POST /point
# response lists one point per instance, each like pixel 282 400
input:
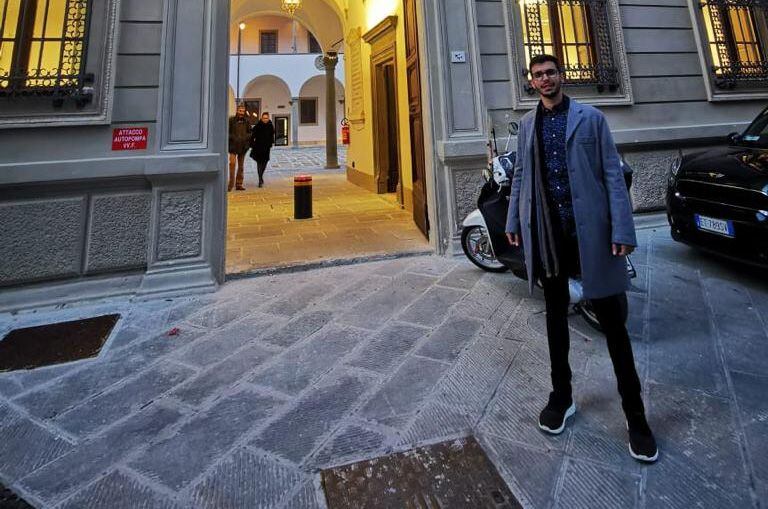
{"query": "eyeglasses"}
pixel 549 73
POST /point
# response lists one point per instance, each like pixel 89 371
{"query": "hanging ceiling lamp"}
pixel 290 6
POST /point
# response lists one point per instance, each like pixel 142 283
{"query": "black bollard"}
pixel 302 197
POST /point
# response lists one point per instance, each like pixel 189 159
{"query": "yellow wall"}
pixel 366 16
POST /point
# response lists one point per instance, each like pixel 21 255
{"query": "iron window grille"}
pixel 268 41
pixel 308 111
pixel 314 46
pixel 43 49
pixel 577 33
pixel 736 30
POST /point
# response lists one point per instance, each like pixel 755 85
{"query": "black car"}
pixel 717 199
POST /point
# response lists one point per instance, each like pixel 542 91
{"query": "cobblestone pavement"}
pixel 275 377
pixel 347 221
pixel 287 158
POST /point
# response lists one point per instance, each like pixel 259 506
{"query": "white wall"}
pixel 315 87
pixel 273 92
pixel 294 70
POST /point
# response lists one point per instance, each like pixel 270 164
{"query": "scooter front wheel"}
pixel 477 247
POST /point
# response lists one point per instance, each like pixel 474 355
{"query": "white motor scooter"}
pixel 483 236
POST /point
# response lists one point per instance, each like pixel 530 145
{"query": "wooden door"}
pixel 393 155
pixel 416 124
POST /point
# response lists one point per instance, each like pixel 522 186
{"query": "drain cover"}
pixel 9 500
pixel 44 345
pixel 448 475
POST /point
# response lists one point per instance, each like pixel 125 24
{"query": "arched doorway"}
pixel 317 70
pixel 312 110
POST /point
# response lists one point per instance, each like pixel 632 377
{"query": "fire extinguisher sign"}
pixel 130 138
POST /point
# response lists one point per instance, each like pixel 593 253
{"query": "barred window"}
pixel 576 32
pixel 308 111
pixel 735 33
pixel 43 44
pixel 268 41
pixel 314 46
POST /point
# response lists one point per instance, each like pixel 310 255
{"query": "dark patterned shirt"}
pixel 552 127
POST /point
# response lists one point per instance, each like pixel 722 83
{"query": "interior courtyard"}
pixel 317 70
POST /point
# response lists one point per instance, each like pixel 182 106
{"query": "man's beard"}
pixel 553 93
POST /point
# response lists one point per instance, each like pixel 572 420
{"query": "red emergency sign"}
pixel 130 138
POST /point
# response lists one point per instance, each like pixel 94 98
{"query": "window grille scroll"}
pixel 45 43
pixel 737 52
pixel 578 33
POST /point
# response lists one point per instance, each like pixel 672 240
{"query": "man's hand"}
pixel 514 239
pixel 621 249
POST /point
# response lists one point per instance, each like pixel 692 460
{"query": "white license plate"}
pixel 719 226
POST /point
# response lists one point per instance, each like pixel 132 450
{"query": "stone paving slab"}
pixel 244 481
pixel 298 368
pixel 273 377
pixel 113 405
pixel 180 459
pixel 81 465
pixel 25 445
pixel 295 435
pixel 582 481
pixel 119 491
pixel 220 377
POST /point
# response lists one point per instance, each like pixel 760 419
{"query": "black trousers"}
pixel 261 166
pixel 609 314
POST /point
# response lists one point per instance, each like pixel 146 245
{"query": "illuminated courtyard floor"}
pixel 347 222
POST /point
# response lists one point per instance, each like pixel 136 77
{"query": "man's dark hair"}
pixel 543 58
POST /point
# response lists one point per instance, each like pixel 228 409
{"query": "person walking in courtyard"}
pixel 239 138
pixel 262 139
pixel 570 210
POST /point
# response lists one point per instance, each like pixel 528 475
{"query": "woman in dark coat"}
pixel 262 139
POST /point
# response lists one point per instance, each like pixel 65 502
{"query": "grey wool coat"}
pixel 601 205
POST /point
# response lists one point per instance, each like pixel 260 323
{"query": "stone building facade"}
pixel 113 168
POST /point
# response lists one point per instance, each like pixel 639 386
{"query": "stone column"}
pixel 295 121
pixel 331 151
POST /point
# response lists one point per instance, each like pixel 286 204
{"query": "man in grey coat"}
pixel 570 210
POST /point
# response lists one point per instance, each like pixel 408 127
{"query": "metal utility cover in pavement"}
pixel 9 500
pixel 55 343
pixel 449 475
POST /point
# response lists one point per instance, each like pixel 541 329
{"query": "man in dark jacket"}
pixel 262 139
pixel 570 210
pixel 239 138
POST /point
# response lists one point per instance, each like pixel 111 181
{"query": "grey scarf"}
pixel 545 234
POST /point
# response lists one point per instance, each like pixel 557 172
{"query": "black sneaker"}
pixel 552 418
pixel 642 444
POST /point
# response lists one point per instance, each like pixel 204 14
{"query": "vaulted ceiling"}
pixel 324 18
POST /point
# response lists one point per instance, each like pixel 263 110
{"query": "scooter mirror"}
pixel 514 127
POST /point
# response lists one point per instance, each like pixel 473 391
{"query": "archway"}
pixel 309 72
pixel 312 92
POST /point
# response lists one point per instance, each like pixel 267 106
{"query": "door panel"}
pixel 393 163
pixel 416 125
pixel 281 131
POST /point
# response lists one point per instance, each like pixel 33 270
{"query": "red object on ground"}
pixel 130 138
pixel 174 332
